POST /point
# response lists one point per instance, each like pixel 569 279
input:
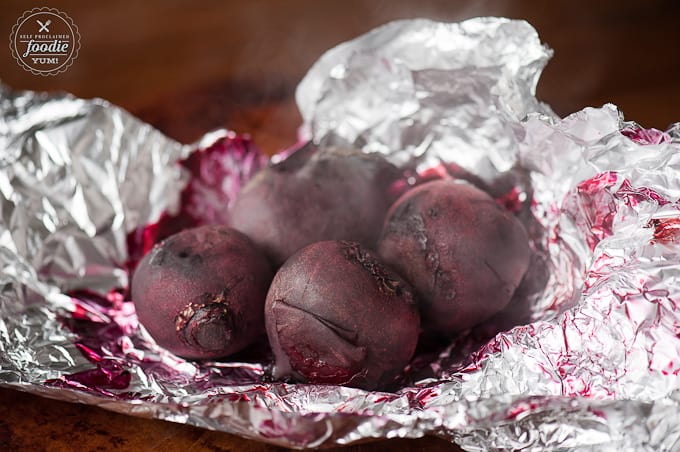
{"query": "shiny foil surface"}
pixel 589 353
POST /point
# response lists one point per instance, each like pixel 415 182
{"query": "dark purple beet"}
pixel 200 293
pixel 463 253
pixel 336 315
pixel 315 195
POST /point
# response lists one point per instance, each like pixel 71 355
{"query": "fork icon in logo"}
pixel 43 26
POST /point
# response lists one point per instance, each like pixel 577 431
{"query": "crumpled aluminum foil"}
pixel 590 354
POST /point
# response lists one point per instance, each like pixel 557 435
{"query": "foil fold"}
pixel 418 90
pixel 588 357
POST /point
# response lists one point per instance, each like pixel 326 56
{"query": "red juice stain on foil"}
pixel 107 375
pixel 599 199
pixel 234 398
pixel 633 196
pixel 97 380
pixel 216 174
pixel 666 230
pixel 644 136
pixel 99 321
pixel 419 399
pixel 383 398
pixel 93 307
pixel 522 409
pixel 108 336
pixel 597 206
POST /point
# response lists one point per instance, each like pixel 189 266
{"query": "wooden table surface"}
pixel 235 64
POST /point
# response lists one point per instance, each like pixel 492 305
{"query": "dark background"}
pixel 189 69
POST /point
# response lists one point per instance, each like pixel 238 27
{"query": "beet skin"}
pixel 335 315
pixel 463 253
pixel 200 293
pixel 315 195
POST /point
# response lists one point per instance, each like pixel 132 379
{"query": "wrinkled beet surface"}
pixel 463 253
pixel 315 195
pixel 200 293
pixel 336 315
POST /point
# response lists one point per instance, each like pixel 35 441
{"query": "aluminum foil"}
pixel 589 356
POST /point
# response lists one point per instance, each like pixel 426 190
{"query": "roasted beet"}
pixel 200 293
pixel 315 195
pixel 336 315
pixel 463 253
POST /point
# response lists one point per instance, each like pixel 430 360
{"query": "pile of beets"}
pixel 344 278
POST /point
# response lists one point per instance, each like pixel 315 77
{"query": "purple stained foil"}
pixel 589 353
